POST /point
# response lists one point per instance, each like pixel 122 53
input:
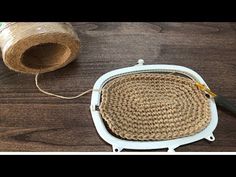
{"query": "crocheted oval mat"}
pixel 154 106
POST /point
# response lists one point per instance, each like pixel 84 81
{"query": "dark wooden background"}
pixel 32 121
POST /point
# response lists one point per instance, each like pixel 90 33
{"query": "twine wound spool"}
pixel 38 47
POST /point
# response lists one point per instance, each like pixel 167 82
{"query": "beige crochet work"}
pixel 154 106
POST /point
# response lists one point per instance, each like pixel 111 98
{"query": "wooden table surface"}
pixel 32 121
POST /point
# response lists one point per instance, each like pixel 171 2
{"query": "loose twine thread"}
pixel 69 97
pixel 60 96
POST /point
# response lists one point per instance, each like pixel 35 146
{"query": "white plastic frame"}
pixel 119 144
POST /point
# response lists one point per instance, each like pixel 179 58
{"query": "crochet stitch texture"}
pixel 154 106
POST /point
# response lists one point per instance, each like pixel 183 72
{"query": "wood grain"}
pixel 32 121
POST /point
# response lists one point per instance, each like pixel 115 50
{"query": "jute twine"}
pixel 38 47
pixel 154 106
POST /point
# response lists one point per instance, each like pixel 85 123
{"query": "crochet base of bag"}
pixel 154 106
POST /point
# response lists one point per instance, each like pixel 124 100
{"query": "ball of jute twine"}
pixel 38 47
